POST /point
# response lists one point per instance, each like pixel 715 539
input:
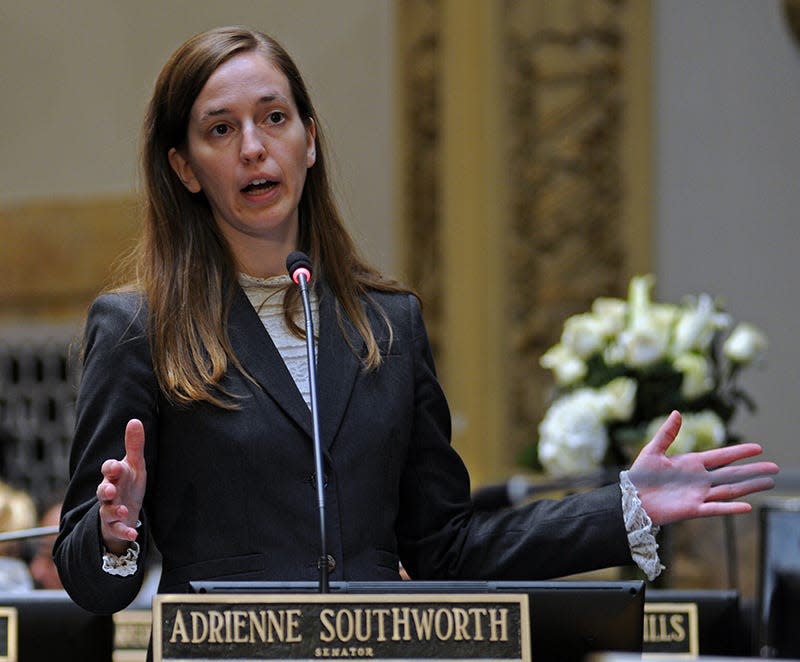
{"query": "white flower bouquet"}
pixel 621 368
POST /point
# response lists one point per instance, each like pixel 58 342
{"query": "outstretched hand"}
pixel 121 491
pixel 700 484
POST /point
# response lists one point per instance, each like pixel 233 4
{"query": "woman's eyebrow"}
pixel 266 99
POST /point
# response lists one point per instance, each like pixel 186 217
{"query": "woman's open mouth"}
pixel 258 186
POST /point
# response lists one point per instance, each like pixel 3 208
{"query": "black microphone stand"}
pixel 297 262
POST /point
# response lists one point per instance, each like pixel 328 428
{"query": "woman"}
pixel 196 378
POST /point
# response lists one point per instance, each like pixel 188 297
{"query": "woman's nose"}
pixel 254 146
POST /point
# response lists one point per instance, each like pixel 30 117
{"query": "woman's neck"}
pixel 263 260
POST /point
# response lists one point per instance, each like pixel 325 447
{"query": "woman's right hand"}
pixel 121 491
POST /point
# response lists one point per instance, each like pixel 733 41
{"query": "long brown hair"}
pixel 182 253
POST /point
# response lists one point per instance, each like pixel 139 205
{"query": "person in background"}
pixel 193 423
pixel 42 567
pixel 17 512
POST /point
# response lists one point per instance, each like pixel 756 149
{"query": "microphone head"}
pixel 298 264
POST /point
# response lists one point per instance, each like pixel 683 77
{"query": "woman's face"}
pixel 248 150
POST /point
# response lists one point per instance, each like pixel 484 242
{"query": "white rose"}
pixel 646 338
pixel 697 325
pixel 584 334
pixel 697 375
pixel 639 295
pixel 613 314
pixel 707 428
pixel 572 436
pixel 566 365
pixel 618 399
pixel 646 342
pixel 615 353
pixel 744 344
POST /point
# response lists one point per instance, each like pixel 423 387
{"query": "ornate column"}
pixel 526 191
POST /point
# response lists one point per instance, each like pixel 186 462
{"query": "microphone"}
pixel 519 488
pixel 299 267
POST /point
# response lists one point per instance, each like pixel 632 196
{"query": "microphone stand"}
pixel 300 273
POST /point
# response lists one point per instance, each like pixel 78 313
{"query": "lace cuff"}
pixel 641 530
pixel 125 565
pixel 122 566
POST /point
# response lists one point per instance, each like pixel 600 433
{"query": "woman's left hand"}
pixel 700 484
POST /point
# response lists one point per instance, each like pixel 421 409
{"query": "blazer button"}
pixel 312 479
pixel 331 563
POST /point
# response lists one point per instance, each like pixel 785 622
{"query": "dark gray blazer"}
pixel 230 494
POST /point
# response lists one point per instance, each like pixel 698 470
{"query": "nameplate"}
pixel 323 626
pixel 8 634
pixel 670 631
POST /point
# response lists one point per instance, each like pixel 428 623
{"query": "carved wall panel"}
pixel 56 256
pixel 566 107
pixel 419 53
pixel 564 111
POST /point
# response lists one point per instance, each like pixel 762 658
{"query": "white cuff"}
pixel 122 566
pixel 641 530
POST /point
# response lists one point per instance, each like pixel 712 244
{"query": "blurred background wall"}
pixel 704 161
pixel 727 203
pixel 76 77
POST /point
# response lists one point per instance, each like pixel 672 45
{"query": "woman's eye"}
pixel 276 117
pixel 220 130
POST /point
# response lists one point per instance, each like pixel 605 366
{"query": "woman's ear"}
pixel 184 171
pixel 311 142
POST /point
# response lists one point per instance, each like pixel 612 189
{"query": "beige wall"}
pixel 727 96
pixel 75 78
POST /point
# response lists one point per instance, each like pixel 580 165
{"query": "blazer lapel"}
pixel 338 366
pixel 262 361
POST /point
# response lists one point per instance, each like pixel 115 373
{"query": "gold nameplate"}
pixel 321 626
pixel 670 631
pixel 8 634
